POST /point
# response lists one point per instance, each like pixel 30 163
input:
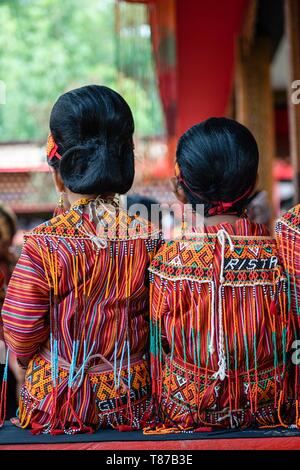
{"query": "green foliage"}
pixel 51 46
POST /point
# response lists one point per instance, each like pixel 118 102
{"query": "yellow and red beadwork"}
pixel 108 406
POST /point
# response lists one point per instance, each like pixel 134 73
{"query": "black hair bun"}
pixel 93 128
pixel 97 168
pixel 218 160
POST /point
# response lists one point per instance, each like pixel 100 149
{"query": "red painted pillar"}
pixel 206 33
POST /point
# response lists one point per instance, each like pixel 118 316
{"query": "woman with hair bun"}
pixel 219 296
pixel 76 307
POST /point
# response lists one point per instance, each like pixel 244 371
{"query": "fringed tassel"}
pixel 155 366
pixel 127 329
pixel 173 334
pixel 247 351
pixel 25 411
pixel 3 396
pixel 70 421
pixel 156 369
pixel 253 310
pixel 116 334
pixel 227 357
pixel 53 285
pixel 198 343
pixel 48 255
pixel 272 312
pixel 235 348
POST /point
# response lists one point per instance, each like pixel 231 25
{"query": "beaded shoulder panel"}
pixel 116 225
pixel 291 218
pixel 252 261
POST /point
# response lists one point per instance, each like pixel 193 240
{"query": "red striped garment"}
pixel 2 295
pixel 77 304
pixel 219 330
pixel 288 241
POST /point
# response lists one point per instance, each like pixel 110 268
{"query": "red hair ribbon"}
pixel 52 148
pixel 219 207
pixel 222 207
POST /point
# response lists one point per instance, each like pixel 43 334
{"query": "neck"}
pixel 219 219
pixel 73 197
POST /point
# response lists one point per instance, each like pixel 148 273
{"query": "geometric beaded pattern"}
pixel 182 387
pixel 117 225
pixel 251 262
pixel 292 218
pixel 109 397
pixel 38 380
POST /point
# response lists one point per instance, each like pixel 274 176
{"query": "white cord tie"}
pixel 222 237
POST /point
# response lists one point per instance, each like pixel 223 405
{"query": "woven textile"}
pixel 79 292
pixel 220 333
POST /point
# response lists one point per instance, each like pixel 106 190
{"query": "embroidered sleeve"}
pixel 26 307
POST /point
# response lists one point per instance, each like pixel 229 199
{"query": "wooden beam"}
pixel 248 28
pixel 292 24
pixel 254 104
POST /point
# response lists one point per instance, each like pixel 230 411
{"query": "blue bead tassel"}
pixel 4 391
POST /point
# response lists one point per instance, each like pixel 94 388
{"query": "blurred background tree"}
pixel 51 46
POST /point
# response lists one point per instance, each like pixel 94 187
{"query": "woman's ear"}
pixel 178 191
pixel 58 181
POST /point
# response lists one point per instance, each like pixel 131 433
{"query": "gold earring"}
pixel 61 201
pixel 60 209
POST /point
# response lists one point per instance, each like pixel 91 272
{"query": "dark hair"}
pixel 93 128
pixel 148 202
pixel 218 161
pixel 9 219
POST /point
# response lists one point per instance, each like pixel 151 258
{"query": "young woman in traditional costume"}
pixel 76 309
pixel 288 241
pixel 219 335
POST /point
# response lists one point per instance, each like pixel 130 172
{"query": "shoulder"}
pixel 37 240
pixel 290 219
pixel 119 225
pixel 194 259
pixel 185 259
pixel 63 224
pixel 112 225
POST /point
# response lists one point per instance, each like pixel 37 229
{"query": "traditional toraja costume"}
pixel 288 240
pixel 78 303
pixel 219 337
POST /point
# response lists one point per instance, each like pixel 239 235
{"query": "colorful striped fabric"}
pixel 78 304
pixel 220 334
pixel 2 295
pixel 288 241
